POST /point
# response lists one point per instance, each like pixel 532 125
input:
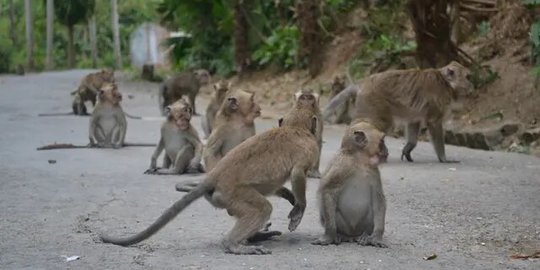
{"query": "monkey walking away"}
pixel 412 96
pixel 351 198
pixel 239 183
pixel 220 91
pixel 180 140
pixel 184 84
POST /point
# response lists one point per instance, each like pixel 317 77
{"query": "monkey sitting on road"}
pixel 220 91
pixel 183 148
pixel 108 123
pixel 88 90
pixel 183 84
pixel 239 183
pixel 352 203
pixel 234 124
pixel 307 99
pixel 413 96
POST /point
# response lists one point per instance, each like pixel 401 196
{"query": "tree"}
pixel 29 34
pixel 116 34
pixel 70 13
pixel 93 39
pixel 12 23
pixel 432 26
pixel 308 12
pixel 241 46
pixel 50 33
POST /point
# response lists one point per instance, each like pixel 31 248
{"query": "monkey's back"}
pixel 266 158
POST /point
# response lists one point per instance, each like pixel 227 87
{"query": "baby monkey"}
pixel 183 148
pixel 352 202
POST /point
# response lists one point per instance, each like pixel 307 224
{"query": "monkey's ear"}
pixel 313 129
pixel 280 122
pixel 448 72
pixel 167 110
pixel 232 103
pixel 360 138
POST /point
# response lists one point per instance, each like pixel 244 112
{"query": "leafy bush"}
pixel 6 49
pixel 279 49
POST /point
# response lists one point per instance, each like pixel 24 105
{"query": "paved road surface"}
pixel 473 215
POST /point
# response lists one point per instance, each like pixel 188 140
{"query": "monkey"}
pixel 233 125
pixel 350 194
pixel 88 90
pixel 412 96
pixel 307 99
pixel 183 148
pixel 239 183
pixel 185 83
pixel 108 123
pixel 220 91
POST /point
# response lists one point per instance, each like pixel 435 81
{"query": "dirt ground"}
pixel 472 215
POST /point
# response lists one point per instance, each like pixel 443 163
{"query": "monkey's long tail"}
pixel 167 216
pixel 339 99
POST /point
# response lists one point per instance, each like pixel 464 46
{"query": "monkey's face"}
pixel 203 76
pixel 221 89
pixel 109 93
pixel 458 77
pixel 366 139
pixel 307 99
pixel 180 113
pixel 243 103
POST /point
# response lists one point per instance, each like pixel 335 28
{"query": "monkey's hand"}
pixel 151 170
pixel 372 240
pixel 295 216
pixel 327 240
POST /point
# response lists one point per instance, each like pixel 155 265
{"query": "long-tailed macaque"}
pixel 89 89
pixel 108 123
pixel 220 91
pixel 180 140
pixel 351 197
pixel 239 183
pixel 184 84
pixel 412 96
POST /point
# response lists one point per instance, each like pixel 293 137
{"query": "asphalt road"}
pixel 472 215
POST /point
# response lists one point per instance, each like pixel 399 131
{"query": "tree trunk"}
pixel 29 34
pixel 241 47
pixel 307 12
pixel 93 40
pixel 431 24
pixel 71 46
pixel 12 23
pixel 50 33
pixel 116 34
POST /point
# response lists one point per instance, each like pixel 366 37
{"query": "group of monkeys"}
pixel 244 168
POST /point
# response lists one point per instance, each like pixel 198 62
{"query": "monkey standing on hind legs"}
pixel 239 183
pixel 412 96
pixel 183 84
pixel 220 91
pixel 351 198
pixel 183 148
pixel 307 99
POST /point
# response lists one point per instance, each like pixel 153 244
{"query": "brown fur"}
pixel 342 113
pixel 220 91
pixel 108 123
pixel 234 124
pixel 88 90
pixel 239 183
pixel 183 84
pixel 307 99
pixel 180 140
pixel 352 203
pixel 413 96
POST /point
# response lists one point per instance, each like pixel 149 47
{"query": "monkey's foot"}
pixel 151 171
pixel 372 241
pixel 314 174
pixel 295 216
pixel 186 187
pixel 195 169
pixel 407 156
pixel 327 240
pixel 263 235
pixel 239 249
